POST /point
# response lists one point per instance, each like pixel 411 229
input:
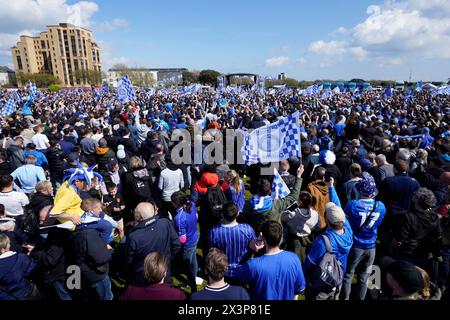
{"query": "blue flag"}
pixel 105 88
pixel 125 90
pixel 8 108
pixel 279 188
pixel 278 141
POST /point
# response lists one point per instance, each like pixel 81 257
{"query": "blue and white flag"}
pixel 8 108
pixel 125 90
pixel 388 92
pixel 445 90
pixel 336 90
pixel 16 97
pixel 279 188
pixel 311 90
pixel 105 88
pixel 409 95
pixel 32 88
pixel 419 86
pixel 97 94
pixel 278 141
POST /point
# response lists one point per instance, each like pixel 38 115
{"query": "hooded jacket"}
pixel 301 222
pixel 102 156
pixel 15 268
pixel 319 190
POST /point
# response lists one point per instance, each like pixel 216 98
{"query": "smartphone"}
pixel 293 206
pixel 327 176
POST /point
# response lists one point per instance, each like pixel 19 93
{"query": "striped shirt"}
pixel 233 240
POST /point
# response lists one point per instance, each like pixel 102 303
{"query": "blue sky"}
pixel 305 39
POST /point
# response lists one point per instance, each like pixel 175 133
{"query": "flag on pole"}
pixel 125 90
pixel 312 90
pixel 8 108
pixel 279 188
pixel 388 92
pixel 105 88
pixel 278 141
pixel 32 88
pixel 16 97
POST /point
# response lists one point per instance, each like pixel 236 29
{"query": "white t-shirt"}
pixel 14 202
pixel 39 140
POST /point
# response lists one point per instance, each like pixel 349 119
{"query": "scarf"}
pixel 261 204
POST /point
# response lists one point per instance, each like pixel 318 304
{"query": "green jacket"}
pixel 256 220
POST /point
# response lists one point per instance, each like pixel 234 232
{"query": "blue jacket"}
pixel 148 236
pixel 238 198
pixel 14 271
pixel 41 159
pixel 186 225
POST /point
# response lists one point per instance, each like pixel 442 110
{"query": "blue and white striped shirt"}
pixel 233 240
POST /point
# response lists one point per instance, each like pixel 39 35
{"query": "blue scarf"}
pixel 261 204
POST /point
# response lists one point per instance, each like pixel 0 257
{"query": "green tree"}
pixel 42 80
pixel 190 77
pixel 208 77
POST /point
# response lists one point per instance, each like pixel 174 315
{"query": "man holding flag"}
pixel 271 200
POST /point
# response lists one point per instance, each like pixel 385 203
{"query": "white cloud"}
pixel 108 26
pixel 396 31
pixel 18 15
pixel 285 48
pixel 276 61
pixel 302 60
pixel 30 17
pixel 325 64
pixel 340 31
pixel 328 48
pixel 392 62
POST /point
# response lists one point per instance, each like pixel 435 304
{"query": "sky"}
pixel 307 40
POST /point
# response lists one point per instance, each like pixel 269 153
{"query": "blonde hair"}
pixel 426 284
pixel 235 181
pixel 43 186
pixel 5 243
pixel 155 267
pixel 136 163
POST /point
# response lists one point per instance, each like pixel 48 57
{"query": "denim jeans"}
pixel 61 291
pixel 361 261
pixel 190 261
pixel 102 289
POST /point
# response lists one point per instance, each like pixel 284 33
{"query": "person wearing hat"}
pixel 365 216
pixel 340 235
pixel 103 154
pixel 404 280
pixel 418 233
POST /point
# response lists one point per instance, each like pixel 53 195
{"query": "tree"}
pixel 41 80
pixel 190 77
pixel 208 77
pixel 91 77
pixel 448 81
pixel 291 82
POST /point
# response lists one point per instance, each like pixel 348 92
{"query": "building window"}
pixel 19 62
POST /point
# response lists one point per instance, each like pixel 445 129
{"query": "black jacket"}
pixel 56 163
pixel 156 234
pixel 5 168
pixel 419 232
pixel 15 156
pixel 51 257
pixel 39 201
pixel 91 255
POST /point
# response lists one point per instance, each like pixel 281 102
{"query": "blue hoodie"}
pixel 340 245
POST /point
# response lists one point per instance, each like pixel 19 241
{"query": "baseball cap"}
pixel 334 214
pixel 406 275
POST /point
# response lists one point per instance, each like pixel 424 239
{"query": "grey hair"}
pixel 403 154
pixel 426 198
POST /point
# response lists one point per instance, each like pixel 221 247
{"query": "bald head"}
pixel 144 211
pixel 381 159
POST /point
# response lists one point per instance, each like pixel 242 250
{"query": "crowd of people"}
pixel 90 186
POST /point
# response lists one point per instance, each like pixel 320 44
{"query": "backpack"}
pixel 29 222
pixel 329 274
pixel 141 188
pixel 215 199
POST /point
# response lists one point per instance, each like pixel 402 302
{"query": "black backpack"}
pixel 29 222
pixel 141 188
pixel 215 199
